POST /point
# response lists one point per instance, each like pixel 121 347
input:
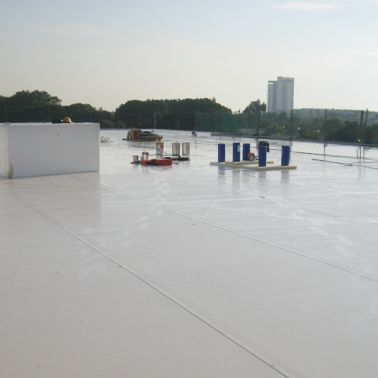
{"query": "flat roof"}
pixel 192 270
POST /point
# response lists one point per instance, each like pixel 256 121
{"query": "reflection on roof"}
pixel 192 270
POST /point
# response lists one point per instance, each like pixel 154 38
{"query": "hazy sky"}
pixel 107 52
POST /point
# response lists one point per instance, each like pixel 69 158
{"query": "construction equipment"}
pixel 143 136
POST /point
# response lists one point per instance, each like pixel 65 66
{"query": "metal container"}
pixel 221 152
pixel 246 151
pixel 159 148
pixel 262 155
pixel 185 149
pixel 176 149
pixel 285 156
pixel 235 151
pixel 135 158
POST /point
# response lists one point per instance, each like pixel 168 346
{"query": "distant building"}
pixel 351 115
pixel 272 96
pixel 307 113
pixel 281 95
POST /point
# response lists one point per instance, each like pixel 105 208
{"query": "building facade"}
pixel 281 95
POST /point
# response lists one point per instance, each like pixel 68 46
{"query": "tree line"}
pixel 202 114
pixel 254 121
pixel 292 126
pixel 40 106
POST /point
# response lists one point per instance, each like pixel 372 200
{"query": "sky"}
pixel 108 52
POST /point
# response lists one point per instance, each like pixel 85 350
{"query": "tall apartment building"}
pixel 281 94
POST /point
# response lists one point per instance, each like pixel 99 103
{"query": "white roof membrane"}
pixel 192 270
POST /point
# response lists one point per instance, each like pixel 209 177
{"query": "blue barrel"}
pixel 262 155
pixel 246 151
pixel 221 153
pixel 235 151
pixel 285 156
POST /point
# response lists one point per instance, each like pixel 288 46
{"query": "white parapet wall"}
pixel 38 149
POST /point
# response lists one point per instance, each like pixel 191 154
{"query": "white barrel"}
pixel 185 149
pixel 176 149
pixel 159 148
pixel 145 155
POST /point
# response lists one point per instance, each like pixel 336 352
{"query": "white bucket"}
pixel 185 149
pixel 176 149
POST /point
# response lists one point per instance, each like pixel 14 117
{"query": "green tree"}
pixel 27 99
pixel 371 135
pixel 255 106
pixel 165 114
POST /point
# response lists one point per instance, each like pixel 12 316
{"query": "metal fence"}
pixel 290 127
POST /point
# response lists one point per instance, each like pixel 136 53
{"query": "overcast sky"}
pixel 107 52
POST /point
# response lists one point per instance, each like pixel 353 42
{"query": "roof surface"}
pixel 191 270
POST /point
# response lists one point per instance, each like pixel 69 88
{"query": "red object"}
pixel 164 161
pixel 251 156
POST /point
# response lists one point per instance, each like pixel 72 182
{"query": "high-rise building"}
pixel 272 95
pixel 281 94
